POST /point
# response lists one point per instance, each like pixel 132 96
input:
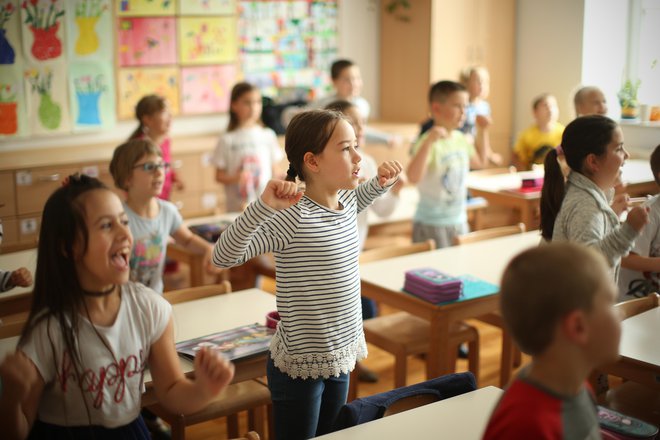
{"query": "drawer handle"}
pixel 52 178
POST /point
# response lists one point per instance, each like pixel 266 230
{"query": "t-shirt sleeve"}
pixel 417 145
pixel 220 154
pixel 172 216
pixel 38 348
pixel 159 309
pixel 276 154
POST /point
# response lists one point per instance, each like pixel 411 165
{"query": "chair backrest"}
pixel 384 252
pixel 637 306
pixel 374 407
pixel 487 234
pixel 193 293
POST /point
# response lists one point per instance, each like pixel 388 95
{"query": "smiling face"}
pixel 339 163
pixel 105 260
pixel 144 183
pixel 608 165
pixel 247 107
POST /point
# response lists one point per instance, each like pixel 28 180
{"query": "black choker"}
pixel 101 293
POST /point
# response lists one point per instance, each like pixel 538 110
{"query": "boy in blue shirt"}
pixel 441 160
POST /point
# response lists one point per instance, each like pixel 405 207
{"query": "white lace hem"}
pixel 315 365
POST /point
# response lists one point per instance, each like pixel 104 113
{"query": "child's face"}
pixel 339 163
pixel 604 323
pixel 478 84
pixel 611 162
pixel 247 107
pixel 349 82
pixel 105 261
pixel 450 113
pixel 158 124
pixel 147 177
pixel 593 103
pixel 358 124
pixel 546 111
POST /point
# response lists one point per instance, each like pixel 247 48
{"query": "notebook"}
pixel 237 343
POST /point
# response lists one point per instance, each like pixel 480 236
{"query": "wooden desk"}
pixel 461 417
pixel 498 189
pixel 383 281
pixel 640 357
pixel 202 317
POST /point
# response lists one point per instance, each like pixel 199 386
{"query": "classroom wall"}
pixel 359 35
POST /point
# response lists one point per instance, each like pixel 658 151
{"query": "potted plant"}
pixel 628 99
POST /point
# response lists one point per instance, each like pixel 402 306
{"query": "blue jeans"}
pixel 304 408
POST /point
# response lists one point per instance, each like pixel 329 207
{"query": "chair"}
pixel 495 318
pixel 250 395
pixel 487 234
pixel 403 334
pixel 249 436
pixel 392 402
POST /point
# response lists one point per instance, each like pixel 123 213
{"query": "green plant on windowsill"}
pixel 628 98
pixel 399 9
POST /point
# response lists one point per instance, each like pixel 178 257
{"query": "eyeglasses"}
pixel 151 167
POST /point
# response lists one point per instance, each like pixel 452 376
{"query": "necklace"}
pixel 108 291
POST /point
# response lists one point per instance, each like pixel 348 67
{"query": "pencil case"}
pixel 534 182
pixel 432 285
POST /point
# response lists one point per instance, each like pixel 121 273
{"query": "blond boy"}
pixel 534 142
pixel 564 318
pixel 441 159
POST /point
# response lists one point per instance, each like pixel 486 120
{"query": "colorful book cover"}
pixel 237 343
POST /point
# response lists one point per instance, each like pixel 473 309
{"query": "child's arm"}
pixel 193 243
pixel 22 386
pixel 640 263
pixel 417 166
pixel 21 277
pixel 222 176
pixel 386 177
pixel 482 140
pixel 176 392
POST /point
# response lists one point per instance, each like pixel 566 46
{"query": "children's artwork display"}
pixel 206 7
pixel 42 30
pixel 92 95
pixel 12 102
pixel 146 41
pixel 88 24
pixel 45 91
pixel 206 89
pixel 134 83
pixel 141 8
pixel 207 40
pixel 10 21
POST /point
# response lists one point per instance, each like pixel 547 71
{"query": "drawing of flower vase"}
pixel 88 108
pixel 46 45
pixel 88 40
pixel 8 118
pixel 7 54
pixel 50 113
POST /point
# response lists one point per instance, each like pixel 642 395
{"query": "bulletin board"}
pixel 59 73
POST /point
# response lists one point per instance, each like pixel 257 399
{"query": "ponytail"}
pixel 552 194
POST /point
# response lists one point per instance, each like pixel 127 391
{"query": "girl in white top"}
pixel 315 242
pixel 247 155
pixel 79 365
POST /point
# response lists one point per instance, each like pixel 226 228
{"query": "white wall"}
pixel 359 36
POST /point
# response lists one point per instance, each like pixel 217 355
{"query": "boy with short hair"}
pixel 544 135
pixel 441 159
pixel 640 270
pixel 590 100
pixel 565 319
pixel 347 82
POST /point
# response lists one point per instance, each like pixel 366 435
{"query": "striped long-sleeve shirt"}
pixel 316 253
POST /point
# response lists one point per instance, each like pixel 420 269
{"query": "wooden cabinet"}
pixel 441 38
pixel 7 194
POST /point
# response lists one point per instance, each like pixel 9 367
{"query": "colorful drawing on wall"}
pixel 12 102
pixel 141 8
pixel 48 110
pixel 207 40
pixel 133 83
pixel 42 29
pixel 88 24
pixel 146 41
pixel 207 7
pixel 92 93
pixel 206 89
pixel 9 24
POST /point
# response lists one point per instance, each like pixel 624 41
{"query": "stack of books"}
pixel 433 285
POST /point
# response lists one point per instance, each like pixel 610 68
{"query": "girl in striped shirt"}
pixel 315 241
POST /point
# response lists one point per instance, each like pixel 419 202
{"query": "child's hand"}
pixel 21 278
pixel 213 372
pixel 483 121
pixel 281 194
pixel 620 203
pixel 18 376
pixel 436 133
pixel 388 172
pixel 398 186
pixel 638 217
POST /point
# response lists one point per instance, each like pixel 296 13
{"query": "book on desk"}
pixel 238 343
pixel 472 288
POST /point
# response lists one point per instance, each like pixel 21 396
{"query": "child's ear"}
pixel 311 161
pixel 575 328
pixel 435 107
pixel 591 163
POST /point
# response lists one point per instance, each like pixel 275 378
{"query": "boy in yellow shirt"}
pixel 542 136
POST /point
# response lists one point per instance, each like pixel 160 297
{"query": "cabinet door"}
pixel 28 229
pixel 34 186
pixel 9 232
pixel 7 194
pixel 188 168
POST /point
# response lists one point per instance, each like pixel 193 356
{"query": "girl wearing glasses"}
pixel 138 168
pixel 154 120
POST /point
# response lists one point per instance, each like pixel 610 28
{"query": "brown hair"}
pixel 441 90
pixel 338 67
pixel 308 132
pixel 237 91
pixel 542 285
pixel 147 106
pixel 583 136
pixel 126 156
pixel 539 99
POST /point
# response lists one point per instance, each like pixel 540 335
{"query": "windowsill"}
pixel 638 123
